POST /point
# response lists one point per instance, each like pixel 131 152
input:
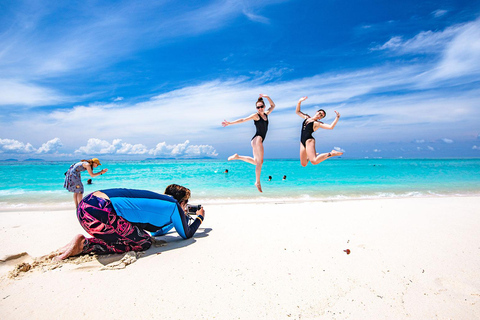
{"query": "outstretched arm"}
pixel 329 126
pixel 90 172
pixel 272 105
pixel 227 123
pixel 297 110
pixel 180 222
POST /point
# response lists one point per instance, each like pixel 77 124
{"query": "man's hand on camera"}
pixel 201 212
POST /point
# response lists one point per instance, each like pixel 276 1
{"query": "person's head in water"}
pixel 260 104
pixel 226 170
pixel 284 177
pixel 89 181
pixel 179 193
pixel 320 114
pixel 269 178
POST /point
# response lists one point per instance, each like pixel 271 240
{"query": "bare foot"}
pixel 234 157
pixel 73 248
pixel 335 153
pixel 259 187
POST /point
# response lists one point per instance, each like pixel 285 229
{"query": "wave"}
pixel 51 206
pixel 11 192
pixel 337 197
pixel 14 192
pixel 19 199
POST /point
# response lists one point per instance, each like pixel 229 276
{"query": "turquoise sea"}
pixel 40 184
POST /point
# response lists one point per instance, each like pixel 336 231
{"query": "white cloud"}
pixel 19 93
pixel 50 146
pixel 457 47
pixel 183 150
pixel 127 148
pixel 392 44
pixel 424 42
pixel 430 148
pixel 162 150
pixel 195 151
pixel 15 146
pixel 447 140
pixel 108 33
pixel 86 43
pixel 388 103
pixel 97 146
pixel 338 149
pixel 273 73
pixel 192 113
pixel 475 148
pixel 439 13
pixel 377 150
pixel 462 55
pixel 255 17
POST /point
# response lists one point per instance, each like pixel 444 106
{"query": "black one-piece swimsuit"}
pixel 307 130
pixel 262 127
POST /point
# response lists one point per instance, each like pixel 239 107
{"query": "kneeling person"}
pixel 118 220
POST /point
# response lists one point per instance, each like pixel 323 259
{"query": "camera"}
pixel 193 208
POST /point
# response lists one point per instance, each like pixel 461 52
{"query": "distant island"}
pixel 150 159
pixel 173 158
pixel 33 160
pixel 10 160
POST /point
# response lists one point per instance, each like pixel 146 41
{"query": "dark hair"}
pixel 323 112
pixel 179 193
pixel 260 100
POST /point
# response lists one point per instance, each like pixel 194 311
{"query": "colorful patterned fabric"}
pixel 111 233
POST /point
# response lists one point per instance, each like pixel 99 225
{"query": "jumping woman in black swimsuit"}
pixel 260 119
pixel 307 141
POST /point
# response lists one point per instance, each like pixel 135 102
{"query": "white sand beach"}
pixel 414 258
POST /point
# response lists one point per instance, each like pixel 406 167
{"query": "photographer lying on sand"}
pixel 118 220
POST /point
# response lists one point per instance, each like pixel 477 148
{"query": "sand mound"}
pixel 129 258
pixel 44 263
pixel 48 262
pixel 23 262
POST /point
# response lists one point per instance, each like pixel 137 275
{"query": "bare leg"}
pixel 243 158
pixel 324 156
pixel 77 197
pixel 303 156
pixel 73 248
pixel 258 151
pixel 316 158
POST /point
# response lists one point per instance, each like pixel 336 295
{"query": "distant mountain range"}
pixel 12 160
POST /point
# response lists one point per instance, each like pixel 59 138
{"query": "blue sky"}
pixel 147 79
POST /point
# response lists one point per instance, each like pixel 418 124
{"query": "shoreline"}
pixel 243 201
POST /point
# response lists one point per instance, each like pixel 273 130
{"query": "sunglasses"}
pixel 260 107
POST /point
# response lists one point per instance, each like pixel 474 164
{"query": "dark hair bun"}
pixel 260 99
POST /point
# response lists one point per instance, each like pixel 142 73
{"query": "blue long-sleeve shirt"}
pixel 151 211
